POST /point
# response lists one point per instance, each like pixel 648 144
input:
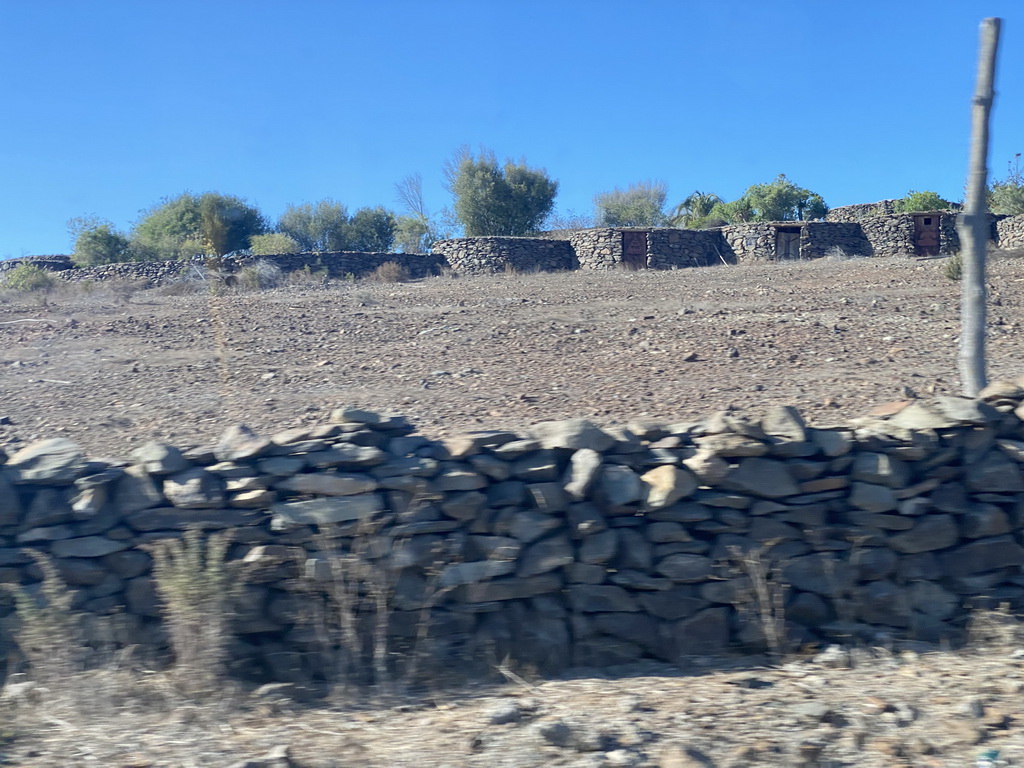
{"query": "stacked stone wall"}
pixel 599 248
pixel 679 248
pixel 488 255
pixel 861 211
pixel 335 264
pixel 820 239
pixel 569 545
pixel 1010 232
pixel 750 242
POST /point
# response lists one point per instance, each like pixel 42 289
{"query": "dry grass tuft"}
pixel 390 272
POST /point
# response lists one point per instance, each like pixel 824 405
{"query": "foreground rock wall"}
pixel 571 545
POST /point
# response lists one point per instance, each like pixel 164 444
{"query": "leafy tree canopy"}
pixel 782 200
pixel 272 244
pixel 491 199
pixel 327 226
pixel 639 205
pixel 191 224
pixel 921 201
pixel 97 242
pixel 695 211
pixel 1007 195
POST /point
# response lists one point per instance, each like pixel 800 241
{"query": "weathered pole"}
pixel 973 224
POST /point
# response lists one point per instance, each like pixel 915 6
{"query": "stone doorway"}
pixel 634 250
pixel 787 243
pixel 926 235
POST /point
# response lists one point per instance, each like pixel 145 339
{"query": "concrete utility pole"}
pixel 973 224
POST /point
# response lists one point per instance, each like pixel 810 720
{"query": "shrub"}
pixel 954 267
pixel 197 587
pixel 259 276
pixel 29 277
pixel 48 631
pixel 390 272
pixel 921 201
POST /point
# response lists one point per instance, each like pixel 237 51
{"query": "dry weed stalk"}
pixel 765 600
pixel 197 586
pixel 48 633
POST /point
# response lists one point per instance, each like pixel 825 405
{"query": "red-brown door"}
pixel 926 235
pixel 634 250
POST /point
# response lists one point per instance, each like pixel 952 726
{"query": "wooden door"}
pixel 634 250
pixel 926 235
pixel 787 243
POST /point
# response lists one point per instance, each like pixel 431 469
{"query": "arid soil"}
pixel 114 368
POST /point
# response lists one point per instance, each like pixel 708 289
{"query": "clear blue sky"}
pixel 110 105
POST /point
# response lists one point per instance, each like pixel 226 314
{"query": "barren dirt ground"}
pixel 114 369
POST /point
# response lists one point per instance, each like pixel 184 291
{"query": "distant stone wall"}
pixel 861 211
pixel 819 239
pixel 598 248
pixel 890 235
pixel 1010 232
pixel 679 248
pixel 487 255
pixel 571 545
pixel 51 263
pixel 335 264
pixel 750 242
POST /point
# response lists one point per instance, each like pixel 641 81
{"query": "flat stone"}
pixel 600 598
pixel 548 497
pixel 873 498
pixel 730 445
pixel 707 466
pixel 930 532
pixel 599 548
pixel 177 519
pixel 546 555
pixel 56 461
pixel 685 569
pixel 335 509
pixel 49 506
pixel 786 422
pixel 512 588
pixel 323 484
pixel 880 469
pixel 473 572
pixel 706 632
pixel 351 415
pixel 981 556
pixel 995 473
pixel 761 477
pixel 530 525
pixel 88 546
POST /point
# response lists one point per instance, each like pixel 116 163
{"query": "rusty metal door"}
pixel 787 243
pixel 634 250
pixel 926 235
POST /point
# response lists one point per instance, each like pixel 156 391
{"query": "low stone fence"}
pixel 1010 232
pixel 335 264
pixel 488 255
pixel 570 545
pixel 861 211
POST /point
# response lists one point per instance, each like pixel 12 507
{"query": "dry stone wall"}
pixel 335 264
pixel 569 545
pixel 1010 232
pixel 597 248
pixel 488 255
pixel 861 211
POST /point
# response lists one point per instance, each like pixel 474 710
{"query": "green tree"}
pixel 782 200
pixel 316 226
pixel 272 244
pixel 97 242
pixel 412 235
pixel 639 205
pixel 921 201
pixel 491 199
pixel 695 211
pixel 370 229
pixel 1007 196
pixel 734 212
pixel 192 224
